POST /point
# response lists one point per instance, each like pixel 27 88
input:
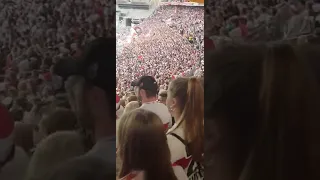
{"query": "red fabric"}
pixel 129 176
pixel 184 162
pixel 208 43
pixel 244 30
pixel 47 76
pixel 166 126
pixel 117 99
pixel 100 12
pixel 6 123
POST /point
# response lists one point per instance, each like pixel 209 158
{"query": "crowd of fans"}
pixel 35 36
pixel 169 44
pixel 265 20
pixel 57 118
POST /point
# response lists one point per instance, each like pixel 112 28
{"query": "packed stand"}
pixel 40 104
pixel 271 20
pixel 164 129
pixel 170 44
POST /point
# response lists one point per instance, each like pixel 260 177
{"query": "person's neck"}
pixel 148 100
pixel 176 117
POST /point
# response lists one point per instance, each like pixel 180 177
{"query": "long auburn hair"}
pixel 189 94
pixel 143 146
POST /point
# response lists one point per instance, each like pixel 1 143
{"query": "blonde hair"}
pixel 131 106
pixel 52 151
pixel 190 98
pixel 58 120
pixel 143 146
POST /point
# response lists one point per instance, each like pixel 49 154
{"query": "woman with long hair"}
pixel 186 138
pixel 143 149
pixel 262 114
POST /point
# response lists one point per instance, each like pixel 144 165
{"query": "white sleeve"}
pixel 177 148
pixel 180 173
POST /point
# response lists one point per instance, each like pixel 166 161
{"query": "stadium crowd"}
pixel 35 36
pixel 264 20
pixel 57 118
pixel 168 44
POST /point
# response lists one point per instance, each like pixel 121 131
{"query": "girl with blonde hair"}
pixel 143 149
pixel 185 139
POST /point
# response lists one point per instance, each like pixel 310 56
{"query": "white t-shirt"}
pixel 177 148
pixel 161 110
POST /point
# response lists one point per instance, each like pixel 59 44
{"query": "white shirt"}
pixel 177 148
pixel 159 109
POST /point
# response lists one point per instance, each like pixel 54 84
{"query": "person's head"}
pixel 122 102
pixel 53 151
pixel 131 98
pixel 57 120
pixel 261 110
pixel 93 95
pixel 131 106
pixel 143 145
pixel 82 168
pixel 23 136
pixel 297 6
pixel 162 98
pixel 146 89
pixel 185 102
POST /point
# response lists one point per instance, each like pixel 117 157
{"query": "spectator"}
pixel 14 160
pixel 93 99
pixel 141 133
pixel 53 151
pixel 57 120
pixel 185 139
pixel 131 98
pixel 23 136
pixel 162 98
pixel 146 89
pixel 131 106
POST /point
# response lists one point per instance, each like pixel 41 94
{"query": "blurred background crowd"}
pixel 262 20
pixel 169 44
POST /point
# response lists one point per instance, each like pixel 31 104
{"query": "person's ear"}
pixel 142 93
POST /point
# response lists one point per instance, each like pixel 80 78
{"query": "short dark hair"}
pixel 163 94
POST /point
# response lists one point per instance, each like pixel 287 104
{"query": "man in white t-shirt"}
pixel 146 89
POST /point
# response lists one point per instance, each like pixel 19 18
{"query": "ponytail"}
pixel 284 109
pixel 193 117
